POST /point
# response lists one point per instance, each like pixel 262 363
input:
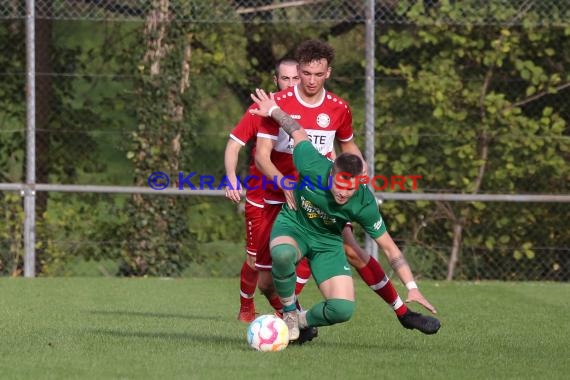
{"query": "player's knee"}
pixel 283 257
pixel 339 310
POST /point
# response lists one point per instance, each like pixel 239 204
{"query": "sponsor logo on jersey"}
pixel 378 224
pixel 313 212
pixel 323 120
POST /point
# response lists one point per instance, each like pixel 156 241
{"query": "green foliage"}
pixel 157 228
pixel 471 108
pixel 81 226
pixel 489 123
pixel 11 234
pixel 58 247
pixel 12 101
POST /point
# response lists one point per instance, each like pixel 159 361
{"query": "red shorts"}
pixel 253 221
pixel 263 259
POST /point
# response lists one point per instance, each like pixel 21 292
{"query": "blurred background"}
pixel 474 96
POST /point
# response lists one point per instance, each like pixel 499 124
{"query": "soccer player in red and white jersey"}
pixel 326 117
pixel 286 76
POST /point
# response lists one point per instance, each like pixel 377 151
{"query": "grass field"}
pixel 110 328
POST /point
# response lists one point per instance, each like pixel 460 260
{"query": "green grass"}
pixel 108 328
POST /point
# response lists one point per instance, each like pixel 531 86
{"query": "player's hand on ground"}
pixel 414 295
pixel 264 101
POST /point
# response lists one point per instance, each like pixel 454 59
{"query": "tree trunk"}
pixel 157 241
pixel 455 249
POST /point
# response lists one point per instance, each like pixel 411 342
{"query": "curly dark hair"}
pixel 314 50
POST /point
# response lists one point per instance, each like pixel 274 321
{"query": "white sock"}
pixel 287 302
pixel 303 319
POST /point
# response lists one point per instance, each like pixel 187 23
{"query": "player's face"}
pixel 343 188
pixel 313 76
pixel 288 76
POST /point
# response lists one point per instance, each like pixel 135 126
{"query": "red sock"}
pixel 374 276
pixel 303 271
pixel 248 283
pixel 275 302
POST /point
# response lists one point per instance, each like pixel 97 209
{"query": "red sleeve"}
pixel 246 129
pixel 345 132
pixel 268 128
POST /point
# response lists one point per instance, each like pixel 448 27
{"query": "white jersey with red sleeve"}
pixel 328 119
pixel 244 131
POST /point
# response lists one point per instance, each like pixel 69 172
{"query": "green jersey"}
pixel 317 210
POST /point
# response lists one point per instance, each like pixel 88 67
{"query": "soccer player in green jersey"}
pixel 328 195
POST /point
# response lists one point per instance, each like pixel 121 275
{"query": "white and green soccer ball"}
pixel 268 333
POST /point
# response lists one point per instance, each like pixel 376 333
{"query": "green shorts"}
pixel 324 252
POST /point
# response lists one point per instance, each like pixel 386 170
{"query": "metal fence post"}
pixel 370 245
pixel 29 189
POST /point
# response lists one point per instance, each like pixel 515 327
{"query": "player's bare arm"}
pixel 356 256
pixel 231 156
pixel 402 269
pixel 349 147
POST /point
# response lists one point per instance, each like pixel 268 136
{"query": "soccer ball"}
pixel 268 333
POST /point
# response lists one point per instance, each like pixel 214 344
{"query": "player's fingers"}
pixel 422 301
pixel 261 94
pixel 291 204
pixel 427 305
pixel 290 200
pixel 234 195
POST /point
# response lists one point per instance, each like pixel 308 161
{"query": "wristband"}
pixel 411 285
pixel 273 108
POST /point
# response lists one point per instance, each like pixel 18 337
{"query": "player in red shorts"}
pixel 285 76
pixel 326 117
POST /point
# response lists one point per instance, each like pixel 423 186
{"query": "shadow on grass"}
pixel 127 313
pixel 169 336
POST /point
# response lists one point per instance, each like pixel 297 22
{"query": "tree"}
pixel 487 94
pixel 157 231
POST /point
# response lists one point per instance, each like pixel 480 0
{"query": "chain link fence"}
pixel 474 96
pixel 475 12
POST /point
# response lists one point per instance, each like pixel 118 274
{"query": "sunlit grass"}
pixel 102 328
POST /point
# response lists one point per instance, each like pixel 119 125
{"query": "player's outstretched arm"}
pixel 402 269
pixel 268 108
